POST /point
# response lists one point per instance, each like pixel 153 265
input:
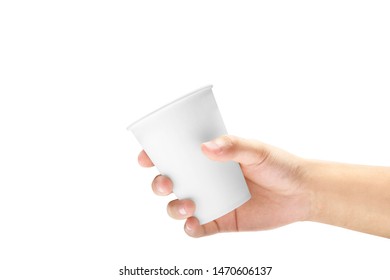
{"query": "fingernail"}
pixel 159 189
pixel 188 227
pixel 182 211
pixel 157 186
pixel 214 146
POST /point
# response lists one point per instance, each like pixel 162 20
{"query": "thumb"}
pixel 244 151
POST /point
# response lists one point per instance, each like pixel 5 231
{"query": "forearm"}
pixel 351 196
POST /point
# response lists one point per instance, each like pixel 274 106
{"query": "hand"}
pixel 274 178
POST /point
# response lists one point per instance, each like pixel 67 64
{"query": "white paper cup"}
pixel 172 138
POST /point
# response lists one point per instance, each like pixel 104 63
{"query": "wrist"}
pixel 311 176
pixel 327 182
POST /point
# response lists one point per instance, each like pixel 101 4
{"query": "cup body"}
pixel 172 138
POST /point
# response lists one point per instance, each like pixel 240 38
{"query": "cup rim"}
pixel 177 100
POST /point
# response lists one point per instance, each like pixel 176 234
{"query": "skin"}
pixel 286 189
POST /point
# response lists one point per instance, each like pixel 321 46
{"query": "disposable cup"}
pixel 172 137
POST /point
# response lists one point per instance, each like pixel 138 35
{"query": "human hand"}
pixel 274 178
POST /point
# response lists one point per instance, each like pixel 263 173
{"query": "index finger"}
pixel 144 160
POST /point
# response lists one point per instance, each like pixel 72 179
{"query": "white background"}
pixel 311 77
